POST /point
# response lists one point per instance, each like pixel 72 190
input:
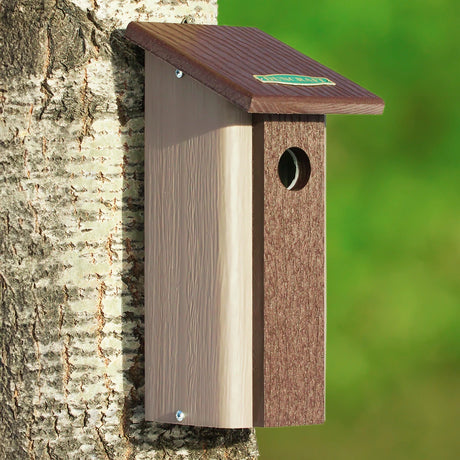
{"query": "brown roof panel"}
pixel 225 59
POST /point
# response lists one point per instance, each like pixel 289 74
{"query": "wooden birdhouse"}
pixel 235 224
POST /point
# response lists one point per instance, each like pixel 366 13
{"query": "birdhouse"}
pixel 235 224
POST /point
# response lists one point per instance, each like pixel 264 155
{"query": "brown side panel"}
pixel 293 341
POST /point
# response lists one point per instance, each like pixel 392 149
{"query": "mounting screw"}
pixel 188 20
pixel 180 416
pixel 179 73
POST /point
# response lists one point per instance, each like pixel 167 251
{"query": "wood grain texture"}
pixel 198 288
pixel 289 349
pixel 225 59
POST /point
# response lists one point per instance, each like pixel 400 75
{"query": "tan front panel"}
pixel 198 260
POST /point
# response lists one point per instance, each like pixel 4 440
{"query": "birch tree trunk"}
pixel 71 236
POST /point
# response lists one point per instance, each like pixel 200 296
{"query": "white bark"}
pixel 71 236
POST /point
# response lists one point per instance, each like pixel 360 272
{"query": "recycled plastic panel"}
pixel 289 275
pixel 198 261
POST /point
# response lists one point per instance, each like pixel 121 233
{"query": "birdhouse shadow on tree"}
pixel 235 224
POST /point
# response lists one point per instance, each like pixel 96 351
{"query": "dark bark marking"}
pixel 105 447
pixel 101 323
pixel 24 26
pixel 67 365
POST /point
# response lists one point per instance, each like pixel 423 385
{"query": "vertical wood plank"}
pixel 198 227
pixel 291 349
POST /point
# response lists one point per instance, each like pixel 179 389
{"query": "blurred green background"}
pixel 393 227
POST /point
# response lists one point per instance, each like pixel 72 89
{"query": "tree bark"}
pixel 71 236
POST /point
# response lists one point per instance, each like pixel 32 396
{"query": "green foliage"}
pixel 393 227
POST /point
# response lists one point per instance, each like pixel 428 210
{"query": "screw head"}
pixel 180 416
pixel 179 73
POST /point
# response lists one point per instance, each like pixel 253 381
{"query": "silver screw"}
pixel 180 416
pixel 179 73
pixel 188 20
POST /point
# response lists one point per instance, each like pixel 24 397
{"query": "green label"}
pixel 300 80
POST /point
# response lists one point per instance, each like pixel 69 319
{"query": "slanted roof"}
pixel 225 59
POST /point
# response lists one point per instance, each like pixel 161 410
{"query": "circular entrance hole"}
pixel 294 168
